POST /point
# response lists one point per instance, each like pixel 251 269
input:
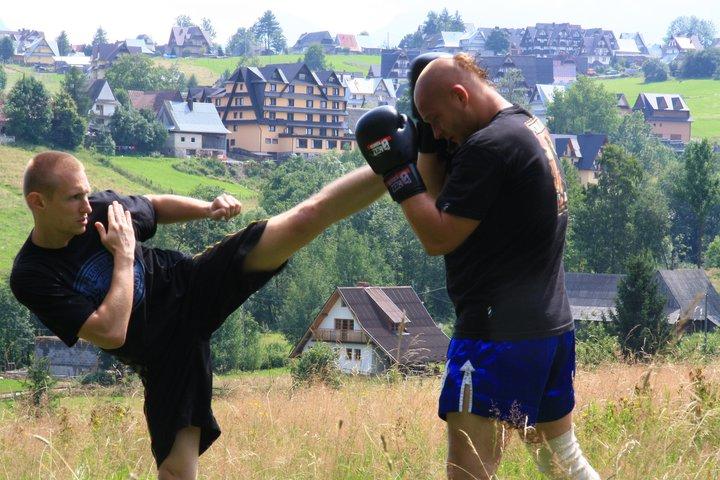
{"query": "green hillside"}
pixel 207 70
pixel 130 175
pixel 702 96
pixel 16 72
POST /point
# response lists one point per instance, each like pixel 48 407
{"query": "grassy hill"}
pixel 702 96
pixel 124 174
pixel 16 72
pixel 207 70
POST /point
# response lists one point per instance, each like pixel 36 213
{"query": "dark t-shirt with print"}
pixel 64 286
pixel 506 279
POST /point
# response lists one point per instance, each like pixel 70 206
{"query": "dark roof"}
pixel 178 35
pixel 682 286
pixel 425 341
pixel 95 88
pixel 201 94
pixel 388 59
pixel 589 144
pixel 374 72
pixel 591 294
pixel 310 38
pixel 535 70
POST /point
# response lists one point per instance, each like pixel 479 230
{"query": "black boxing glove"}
pixel 388 141
pixel 426 139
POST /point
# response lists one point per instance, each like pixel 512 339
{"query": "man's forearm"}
pixel 176 208
pixel 349 194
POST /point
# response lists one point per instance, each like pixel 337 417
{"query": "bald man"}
pixel 84 273
pixel 497 211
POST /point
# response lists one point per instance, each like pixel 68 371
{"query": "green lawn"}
pixel 15 73
pixel 702 96
pixel 160 172
pixel 8 385
pixel 207 70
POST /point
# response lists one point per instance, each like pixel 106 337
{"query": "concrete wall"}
pixel 64 361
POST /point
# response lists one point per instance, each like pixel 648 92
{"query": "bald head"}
pixel 42 171
pixel 442 74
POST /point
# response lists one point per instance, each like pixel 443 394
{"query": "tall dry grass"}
pixel 634 422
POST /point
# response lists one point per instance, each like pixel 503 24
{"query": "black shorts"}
pixel 178 382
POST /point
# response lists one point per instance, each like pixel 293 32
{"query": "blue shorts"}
pixel 521 382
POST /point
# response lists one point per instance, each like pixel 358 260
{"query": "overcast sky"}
pixel 389 19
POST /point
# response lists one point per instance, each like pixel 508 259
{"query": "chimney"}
pixel 190 103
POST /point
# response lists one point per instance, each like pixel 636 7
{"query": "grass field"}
pixel 16 221
pixel 10 385
pixel 702 96
pixel 665 428
pixel 15 73
pixel 207 70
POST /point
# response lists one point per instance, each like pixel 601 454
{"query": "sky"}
pixel 386 18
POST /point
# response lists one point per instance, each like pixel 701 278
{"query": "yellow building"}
pixel 284 109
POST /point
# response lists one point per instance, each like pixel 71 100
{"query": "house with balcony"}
pixel 188 42
pixel 194 129
pixel 103 105
pixel 284 109
pixel 667 114
pixel 375 328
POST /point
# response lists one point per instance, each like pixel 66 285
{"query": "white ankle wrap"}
pixel 561 458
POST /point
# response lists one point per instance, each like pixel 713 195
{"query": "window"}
pixel 310 90
pixel 182 139
pixel 272 128
pixel 336 132
pixel 344 324
pixel 192 139
pixel 291 102
pixel 323 118
pixel 336 105
pixel 234 128
pixel 348 353
pixel 336 91
pixel 358 354
pixel 271 115
pixel 240 114
pixel 235 114
pixel 323 104
pixel 302 142
pixel 336 118
pixel 332 144
pixel 238 101
pixel 272 101
pixel 317 144
pixel 309 103
pixel 323 132
pixel 291 89
pixel 217 102
pixel 274 141
pixel 267 140
pixel 273 87
pixel 302 76
pixel 308 131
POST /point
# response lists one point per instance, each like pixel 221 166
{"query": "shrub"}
pixel 275 353
pixel 39 382
pixel 595 344
pixel 316 365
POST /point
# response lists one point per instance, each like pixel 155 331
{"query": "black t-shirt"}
pixel 506 279
pixel 64 286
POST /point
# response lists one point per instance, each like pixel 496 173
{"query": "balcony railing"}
pixel 332 335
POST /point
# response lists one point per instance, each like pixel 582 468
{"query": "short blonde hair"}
pixel 467 62
pixel 40 173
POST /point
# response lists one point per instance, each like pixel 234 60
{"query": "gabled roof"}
pixel 348 41
pixel 688 43
pixel 627 46
pixel 374 72
pixel 535 70
pixel 547 92
pixel 179 35
pixel 96 87
pixel 682 287
pixel 661 102
pixel 622 102
pixel 152 99
pixel 201 94
pixel 202 118
pixel 141 44
pixel 587 147
pixel 591 295
pixel 314 38
pixel 376 308
pixel 374 42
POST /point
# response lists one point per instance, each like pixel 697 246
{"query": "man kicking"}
pixel 496 208
pixel 84 273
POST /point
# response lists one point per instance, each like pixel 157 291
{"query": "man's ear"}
pixel 459 92
pixel 35 200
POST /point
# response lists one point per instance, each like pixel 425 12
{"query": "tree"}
pixel 63 44
pixel 75 84
pixel 698 186
pixel 184 21
pixel 3 79
pixel 639 320
pixel 498 41
pixel 236 344
pixel 208 28
pixel 100 37
pixel 6 49
pixel 685 26
pixel 573 258
pixel 703 64
pixel 636 137
pixel 241 43
pixel 315 58
pixel 138 72
pixel 412 40
pixel 130 128
pixel 512 87
pixel 28 111
pixel 16 332
pixel 267 31
pixel 584 107
pixel 67 127
pixel 192 81
pixel 655 70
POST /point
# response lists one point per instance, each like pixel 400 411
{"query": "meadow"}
pixel 635 422
pixel 701 95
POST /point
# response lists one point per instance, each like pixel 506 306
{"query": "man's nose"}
pixel 86 206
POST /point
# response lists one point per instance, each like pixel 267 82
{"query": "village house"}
pixel 375 328
pixel 542 95
pixel 105 54
pixel 194 129
pixel 30 47
pixel 369 92
pixel 306 40
pixel 188 42
pixel 103 105
pixel 667 114
pixel 284 109
pixel 64 361
pixel 592 297
pixel 535 70
pixel 152 100
pixel 583 151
